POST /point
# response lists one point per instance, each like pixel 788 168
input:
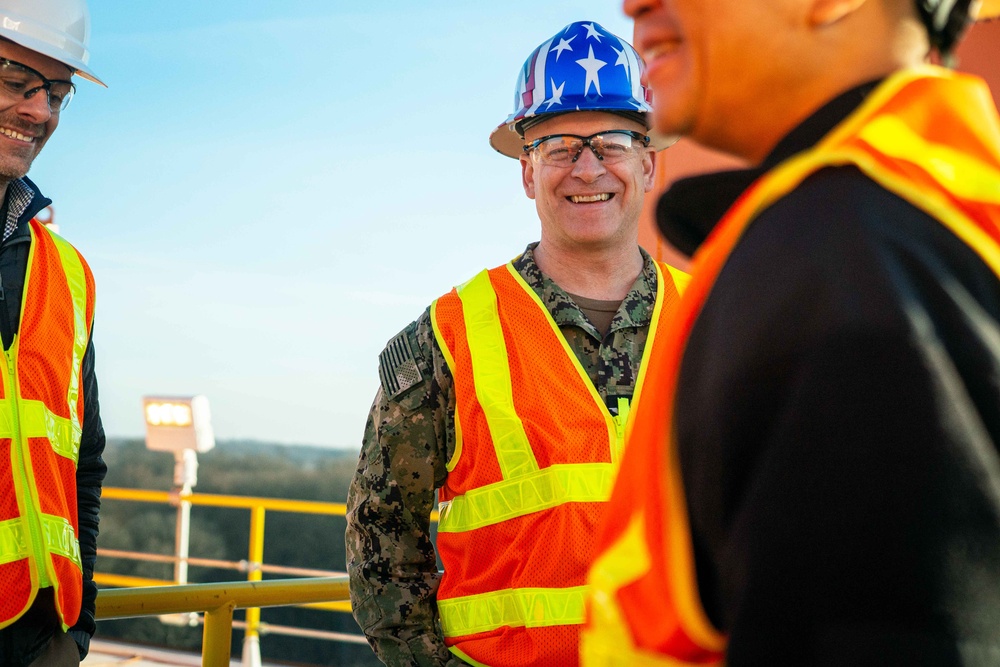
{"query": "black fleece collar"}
pixel 690 209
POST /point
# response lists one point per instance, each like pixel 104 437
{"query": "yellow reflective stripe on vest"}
pixel 37 421
pixel 963 175
pixel 515 607
pixel 679 282
pixel 76 280
pixel 678 277
pixel 491 377
pixel 540 490
pixel 56 531
pixel 13 546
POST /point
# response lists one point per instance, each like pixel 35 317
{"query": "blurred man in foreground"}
pixel 510 395
pixel 814 477
pixel 51 438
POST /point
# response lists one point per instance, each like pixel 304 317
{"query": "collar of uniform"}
pixel 636 309
pixel 23 202
pixel 687 212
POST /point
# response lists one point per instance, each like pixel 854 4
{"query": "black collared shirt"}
pixel 837 416
pixel 688 211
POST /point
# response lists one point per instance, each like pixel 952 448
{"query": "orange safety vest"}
pixel 41 415
pixel 533 467
pixel 930 136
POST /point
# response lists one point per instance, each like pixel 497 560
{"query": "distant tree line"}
pixel 234 468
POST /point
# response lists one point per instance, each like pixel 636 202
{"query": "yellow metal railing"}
pixel 218 601
pixel 253 565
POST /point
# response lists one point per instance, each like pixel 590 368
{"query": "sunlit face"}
pixel 589 203
pixel 711 62
pixel 26 124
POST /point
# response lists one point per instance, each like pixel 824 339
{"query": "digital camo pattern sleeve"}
pixel 391 560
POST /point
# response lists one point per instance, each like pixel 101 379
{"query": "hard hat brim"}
pixel 39 46
pixel 506 141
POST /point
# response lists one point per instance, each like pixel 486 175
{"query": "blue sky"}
pixel 268 191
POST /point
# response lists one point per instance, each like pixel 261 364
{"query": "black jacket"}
pixel 838 421
pixel 90 467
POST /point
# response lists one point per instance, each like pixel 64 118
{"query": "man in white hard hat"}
pixel 51 438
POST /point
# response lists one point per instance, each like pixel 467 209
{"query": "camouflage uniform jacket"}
pixel 409 438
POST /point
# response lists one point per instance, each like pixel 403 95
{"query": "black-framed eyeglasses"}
pixel 19 81
pixel 609 146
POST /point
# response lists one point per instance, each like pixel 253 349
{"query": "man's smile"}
pixel 588 199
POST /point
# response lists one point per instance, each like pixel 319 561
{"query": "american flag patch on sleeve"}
pixel 397 368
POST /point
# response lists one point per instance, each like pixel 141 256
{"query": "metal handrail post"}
pixel 217 637
pixel 255 558
pixel 182 539
pixel 185 478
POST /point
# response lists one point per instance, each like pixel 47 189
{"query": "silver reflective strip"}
pixel 37 421
pixel 60 538
pixel 57 533
pixel 13 546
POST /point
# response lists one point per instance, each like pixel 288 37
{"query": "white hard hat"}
pixel 59 29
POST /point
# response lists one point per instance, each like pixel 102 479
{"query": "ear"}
pixel 649 170
pixel 827 12
pixel 528 176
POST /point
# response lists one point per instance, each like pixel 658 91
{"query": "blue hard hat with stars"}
pixel 583 67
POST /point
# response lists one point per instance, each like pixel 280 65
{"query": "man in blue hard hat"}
pixel 509 397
